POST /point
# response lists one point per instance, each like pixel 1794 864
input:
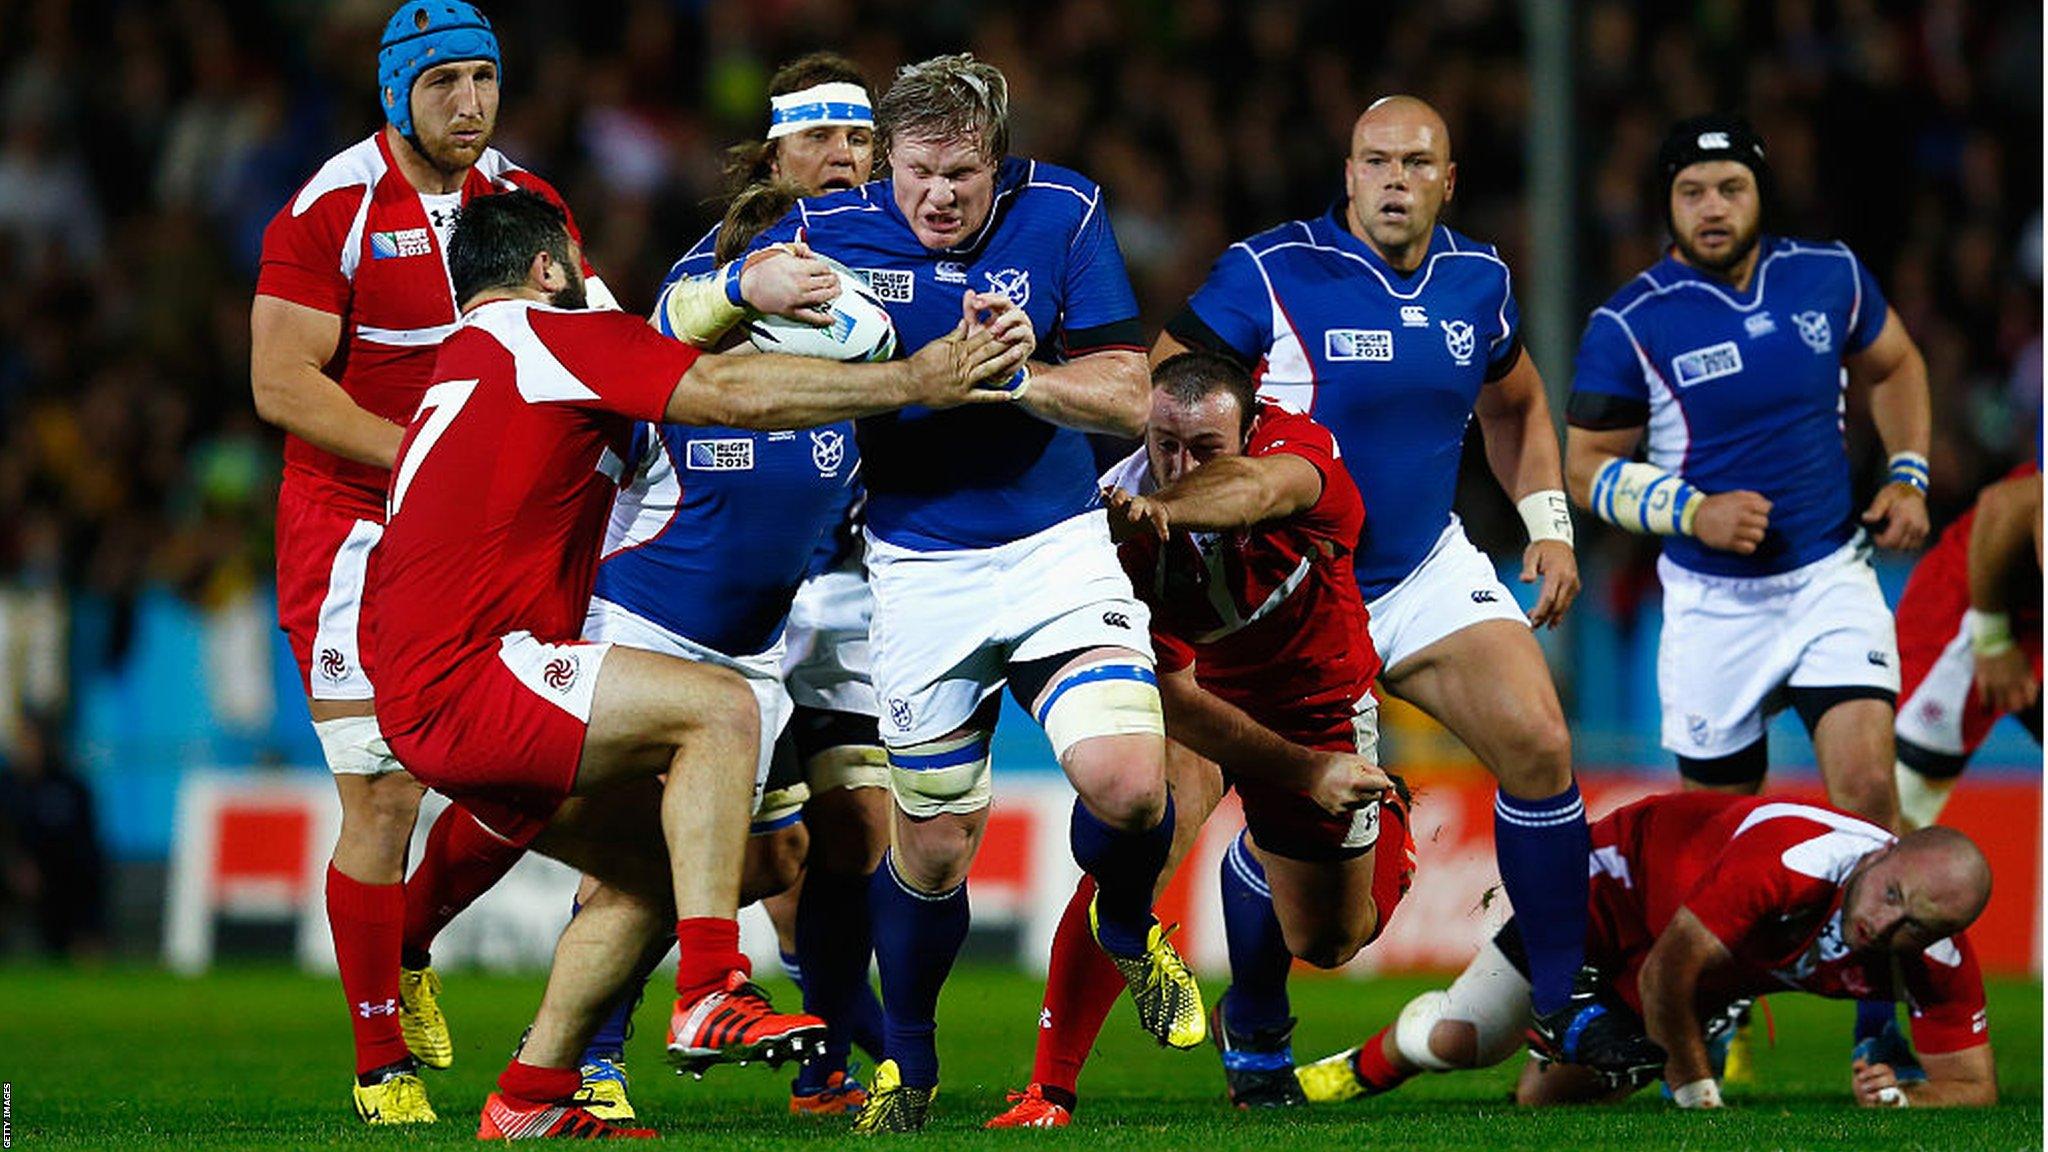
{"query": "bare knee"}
pixel 381 809
pixel 934 853
pixel 1123 785
pixel 1326 947
pixel 1455 1042
pixel 774 861
pixel 1538 755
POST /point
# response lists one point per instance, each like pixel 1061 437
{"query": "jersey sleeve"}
pixel 1945 997
pixel 1100 313
pixel 1506 346
pixel 632 368
pixel 301 259
pixel 1867 307
pixel 1608 389
pixel 698 261
pixel 1231 312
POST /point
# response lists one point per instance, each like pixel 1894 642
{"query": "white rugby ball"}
pixel 861 329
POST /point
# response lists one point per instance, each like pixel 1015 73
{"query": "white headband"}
pixel 819 106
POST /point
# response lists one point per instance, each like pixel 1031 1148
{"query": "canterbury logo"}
pixel 1484 596
pixel 1116 620
pixel 559 674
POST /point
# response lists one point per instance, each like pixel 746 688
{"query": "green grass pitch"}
pixel 258 1058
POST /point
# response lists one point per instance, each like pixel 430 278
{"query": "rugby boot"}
pixel 603 1094
pixel 840 1096
pixel 1590 1031
pixel 508 1119
pixel 396 1095
pixel 892 1105
pixel 1168 1000
pixel 1258 1067
pixel 420 1019
pixel 1030 1109
pixel 737 1025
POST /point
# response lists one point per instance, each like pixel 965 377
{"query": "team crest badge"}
pixel 1813 328
pixel 1458 339
pixel 1696 726
pixel 828 450
pixel 333 665
pixel 560 673
pixel 899 713
pixel 1014 283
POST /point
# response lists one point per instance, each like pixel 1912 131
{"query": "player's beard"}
pixel 1738 251
pixel 570 295
pixel 449 158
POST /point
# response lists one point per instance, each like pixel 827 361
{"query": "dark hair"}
pixel 496 237
pixel 748 163
pixel 1192 377
pixel 750 214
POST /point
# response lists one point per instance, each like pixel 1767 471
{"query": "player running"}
pixel 351 302
pixel 1394 332
pixel 1969 641
pixel 714 533
pixel 990 562
pixel 1240 524
pixel 1700 900
pixel 478 591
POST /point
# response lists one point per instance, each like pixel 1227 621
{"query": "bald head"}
pixel 1399 176
pixel 1954 875
pixel 1405 114
pixel 1931 884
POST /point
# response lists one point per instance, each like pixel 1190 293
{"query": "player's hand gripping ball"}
pixel 860 329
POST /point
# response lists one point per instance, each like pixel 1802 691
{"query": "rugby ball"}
pixel 861 329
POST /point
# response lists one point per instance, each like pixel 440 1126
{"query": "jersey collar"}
pixel 1337 232
pixel 1671 270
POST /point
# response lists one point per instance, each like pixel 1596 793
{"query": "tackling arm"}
pixel 1231 492
pixel 1218 730
pixel 1670 979
pixel 289 344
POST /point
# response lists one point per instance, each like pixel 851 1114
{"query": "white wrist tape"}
pixel 1698 1094
pixel 1990 632
pixel 698 308
pixel 1547 515
pixel 1644 498
pixel 1893 1096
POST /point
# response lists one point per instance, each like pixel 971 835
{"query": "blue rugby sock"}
pixel 917 937
pixel 792 968
pixel 834 941
pixel 1541 847
pixel 1259 959
pixel 1872 1016
pixel 1126 867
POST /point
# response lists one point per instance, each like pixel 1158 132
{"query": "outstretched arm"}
pixel 1670 979
pixel 1965 1079
pixel 1218 730
pixel 1226 493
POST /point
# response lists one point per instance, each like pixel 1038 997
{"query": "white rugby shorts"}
pixel 948 624
pixel 762 671
pixel 1732 644
pixel 1453 588
pixel 826 660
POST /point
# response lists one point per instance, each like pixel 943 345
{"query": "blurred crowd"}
pixel 143 147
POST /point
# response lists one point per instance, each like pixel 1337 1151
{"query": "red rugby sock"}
pixel 461 861
pixel 1081 986
pixel 367 920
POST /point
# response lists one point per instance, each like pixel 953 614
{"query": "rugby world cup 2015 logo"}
pixel 1813 328
pixel 1014 283
pixel 1459 340
pixel 560 673
pixel 828 450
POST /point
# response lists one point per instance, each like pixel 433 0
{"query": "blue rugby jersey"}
pixel 1390 362
pixel 1740 390
pixel 717 527
pixel 984 475
pixel 835 547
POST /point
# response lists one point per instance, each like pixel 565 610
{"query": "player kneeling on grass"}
pixel 1237 525
pixel 477 594
pixel 1700 900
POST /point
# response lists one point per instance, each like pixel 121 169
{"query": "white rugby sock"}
pixel 1921 797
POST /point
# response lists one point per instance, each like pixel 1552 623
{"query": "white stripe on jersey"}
pixel 406 337
pixel 1791 248
pixel 539 376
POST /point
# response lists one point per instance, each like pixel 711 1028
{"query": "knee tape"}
pixel 778 809
pixel 1416 1022
pixel 848 766
pixel 355 747
pixel 1115 697
pixel 1489 994
pixel 949 775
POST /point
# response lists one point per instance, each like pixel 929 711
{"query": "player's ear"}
pixel 546 273
pixel 1450 180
